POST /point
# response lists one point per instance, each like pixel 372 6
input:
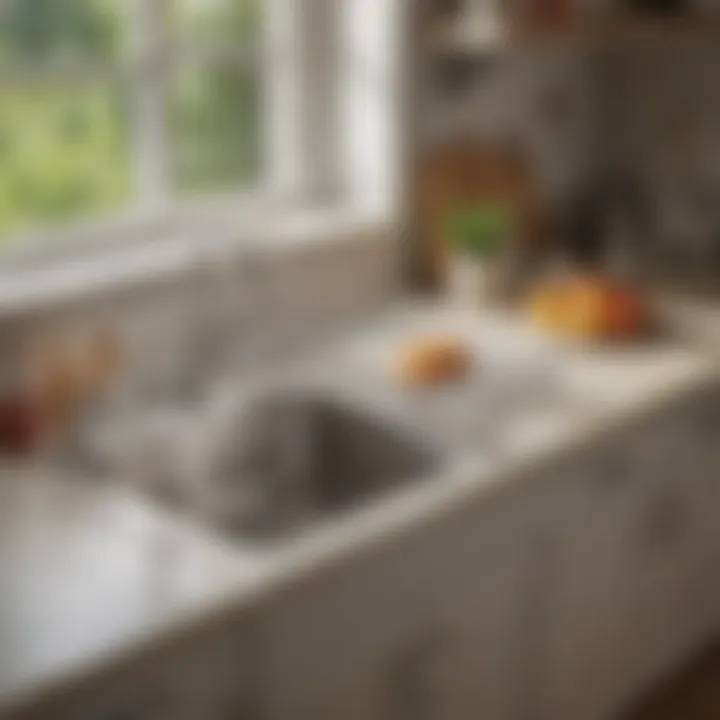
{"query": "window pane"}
pixel 218 23
pixel 64 152
pixel 215 126
pixel 59 31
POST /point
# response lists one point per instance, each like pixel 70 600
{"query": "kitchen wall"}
pixel 664 106
pixel 544 99
pixel 651 110
pixel 252 303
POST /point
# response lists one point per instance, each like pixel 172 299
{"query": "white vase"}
pixel 471 282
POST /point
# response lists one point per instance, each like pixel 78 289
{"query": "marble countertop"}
pixel 89 570
pixel 90 573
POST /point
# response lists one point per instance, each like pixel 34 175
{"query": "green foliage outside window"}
pixel 66 143
pixel 63 152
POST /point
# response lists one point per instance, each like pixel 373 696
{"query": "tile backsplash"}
pixel 650 111
pixel 250 305
pixel 666 113
pixel 546 101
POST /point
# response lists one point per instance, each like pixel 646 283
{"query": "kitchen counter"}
pixel 91 574
pixel 89 570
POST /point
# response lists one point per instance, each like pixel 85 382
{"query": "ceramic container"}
pixel 472 283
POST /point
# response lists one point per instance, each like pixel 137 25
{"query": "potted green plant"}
pixel 479 234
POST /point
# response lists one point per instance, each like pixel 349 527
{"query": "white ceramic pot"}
pixel 471 283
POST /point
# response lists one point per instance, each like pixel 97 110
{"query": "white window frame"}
pixel 284 57
pixel 313 159
pixel 150 68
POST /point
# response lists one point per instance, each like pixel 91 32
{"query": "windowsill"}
pixel 155 252
pixel 42 247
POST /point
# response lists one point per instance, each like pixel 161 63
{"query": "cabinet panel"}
pixel 660 552
pixel 461 665
pixel 215 677
pixel 701 482
pixel 590 616
pixel 629 602
pixel 674 550
pixel 434 627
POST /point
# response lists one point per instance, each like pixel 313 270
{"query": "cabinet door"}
pixel 674 549
pixel 435 626
pixel 211 677
pixel 590 604
pixel 625 607
pixel 699 478
pixel 660 552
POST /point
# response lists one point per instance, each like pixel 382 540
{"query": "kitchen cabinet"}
pixel 660 553
pixel 630 564
pixel 673 547
pixel 566 599
pixel 589 605
pixel 438 626
pixel 210 677
pixel 701 484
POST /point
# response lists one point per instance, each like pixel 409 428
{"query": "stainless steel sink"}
pixel 294 458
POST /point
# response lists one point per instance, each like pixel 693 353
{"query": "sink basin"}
pixel 294 458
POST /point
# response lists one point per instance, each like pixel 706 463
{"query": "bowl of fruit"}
pixel 591 308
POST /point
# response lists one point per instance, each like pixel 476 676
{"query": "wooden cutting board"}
pixel 468 170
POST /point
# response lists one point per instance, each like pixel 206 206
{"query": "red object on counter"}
pixel 20 425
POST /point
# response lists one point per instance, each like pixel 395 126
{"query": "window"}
pixel 106 104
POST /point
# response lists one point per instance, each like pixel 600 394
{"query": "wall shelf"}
pixel 492 35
